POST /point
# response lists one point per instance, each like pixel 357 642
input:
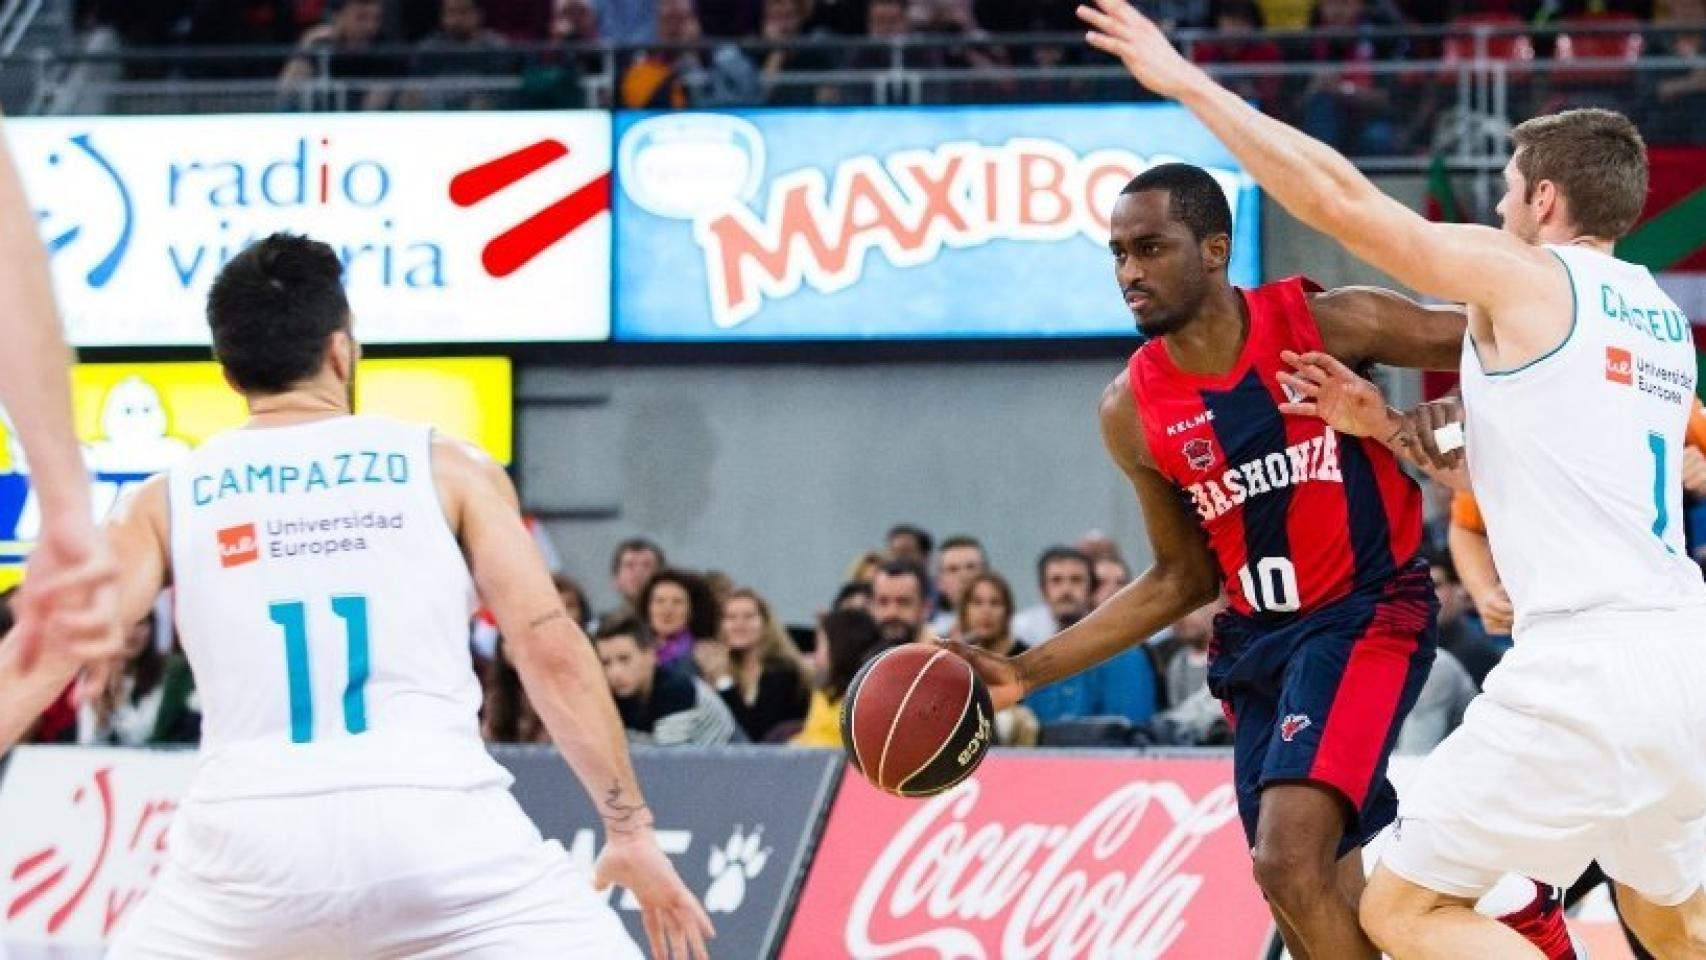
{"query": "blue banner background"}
pixel 1001 288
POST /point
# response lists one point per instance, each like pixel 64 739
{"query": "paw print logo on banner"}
pixel 732 865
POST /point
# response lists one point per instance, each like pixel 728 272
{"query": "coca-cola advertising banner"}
pixel 1063 858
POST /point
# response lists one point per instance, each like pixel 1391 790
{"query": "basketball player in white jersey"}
pixel 1590 740
pixel 326 567
pixel 71 578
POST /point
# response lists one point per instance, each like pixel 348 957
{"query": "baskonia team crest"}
pixel 1199 453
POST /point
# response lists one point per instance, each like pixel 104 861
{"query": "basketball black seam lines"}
pixel 971 689
pixel 900 711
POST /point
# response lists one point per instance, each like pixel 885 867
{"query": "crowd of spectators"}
pixel 1360 86
pixel 694 659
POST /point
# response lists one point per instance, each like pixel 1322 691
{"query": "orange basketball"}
pixel 916 720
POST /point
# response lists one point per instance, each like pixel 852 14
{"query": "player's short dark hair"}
pixel 634 545
pixel 624 625
pixel 1193 197
pixel 1063 554
pixel 906 568
pixel 272 309
pixel 1597 160
pixel 925 541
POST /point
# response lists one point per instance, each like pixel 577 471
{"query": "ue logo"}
pixel 516 247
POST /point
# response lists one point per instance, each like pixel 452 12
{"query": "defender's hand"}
pixel 676 924
pixel 1118 29
pixel 1331 391
pixel 69 597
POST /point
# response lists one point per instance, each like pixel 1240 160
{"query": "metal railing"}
pixel 1391 97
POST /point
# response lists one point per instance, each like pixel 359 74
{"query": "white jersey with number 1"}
pixel 324 605
pixel 1588 742
pixel 1576 458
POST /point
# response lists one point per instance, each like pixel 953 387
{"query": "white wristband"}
pixel 1448 437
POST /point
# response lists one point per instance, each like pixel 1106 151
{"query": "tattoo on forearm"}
pixel 544 618
pixel 621 813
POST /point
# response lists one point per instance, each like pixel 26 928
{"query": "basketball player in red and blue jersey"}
pixel 1313 536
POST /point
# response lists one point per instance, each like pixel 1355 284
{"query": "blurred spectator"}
pixel 985 620
pixel 341 48
pixel 573 21
pixel 573 597
pixel 898 602
pixel 1238 42
pixel 853 595
pixel 1678 94
pixel 149 698
pixel 846 639
pixel 1349 107
pixel 863 568
pixel 1472 561
pixel 786 20
pixel 1460 632
pixel 764 680
pixel 1126 685
pixel 676 79
pixel 632 566
pixel 953 20
pixel 1112 575
pixel 659 705
pixel 464 48
pixel 1194 717
pixel 1098 546
pixel 733 19
pixel 678 608
pixel 884 20
pixel 844 17
pixel 508 716
pixel 960 559
pixel 910 544
pixel 1439 707
pixel 1066 579
pixel 630 22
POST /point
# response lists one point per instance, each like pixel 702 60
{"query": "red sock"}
pixel 1542 924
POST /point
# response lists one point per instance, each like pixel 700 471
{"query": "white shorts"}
pixel 393 872
pixel 1589 743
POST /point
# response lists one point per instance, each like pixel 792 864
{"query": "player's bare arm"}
pixel 566 684
pixel 1525 288
pixel 135 533
pixel 1182 578
pixel 70 568
pixel 1374 325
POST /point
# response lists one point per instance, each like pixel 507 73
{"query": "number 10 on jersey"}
pixel 292 615
pixel 1270 585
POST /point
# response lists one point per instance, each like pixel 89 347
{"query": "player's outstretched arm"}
pixel 136 534
pixel 69 568
pixel 1375 325
pixel 564 681
pixel 1181 579
pixel 1456 262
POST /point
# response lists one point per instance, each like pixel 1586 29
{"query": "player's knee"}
pixel 1294 876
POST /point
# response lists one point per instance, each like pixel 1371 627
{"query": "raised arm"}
pixel 70 566
pixel 1456 262
pixel 566 685
pixel 1374 325
pixel 1182 578
pixel 136 534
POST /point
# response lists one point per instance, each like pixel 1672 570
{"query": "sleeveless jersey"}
pixel 324 605
pixel 1297 515
pixel 1576 457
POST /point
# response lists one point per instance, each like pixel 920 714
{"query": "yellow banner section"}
pixel 139 418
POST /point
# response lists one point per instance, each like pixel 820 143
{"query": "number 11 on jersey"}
pixel 292 615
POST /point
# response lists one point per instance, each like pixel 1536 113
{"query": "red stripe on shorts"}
pixel 1365 706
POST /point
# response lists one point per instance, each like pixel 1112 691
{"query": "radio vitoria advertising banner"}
pixel 466 227
pixel 891 222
